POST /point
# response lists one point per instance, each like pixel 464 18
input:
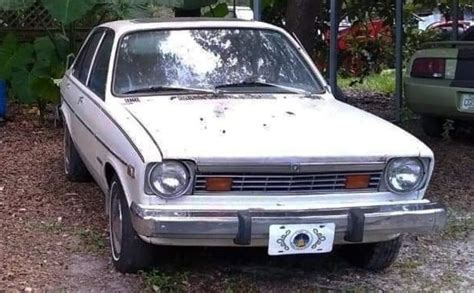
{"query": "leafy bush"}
pixel 30 68
pixel 415 39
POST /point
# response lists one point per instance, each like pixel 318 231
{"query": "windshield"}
pixel 243 60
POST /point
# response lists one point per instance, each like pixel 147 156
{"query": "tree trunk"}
pixel 300 19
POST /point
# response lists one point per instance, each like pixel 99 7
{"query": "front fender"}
pixel 131 180
pixel 66 114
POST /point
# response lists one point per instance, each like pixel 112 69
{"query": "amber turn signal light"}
pixel 357 181
pixel 218 184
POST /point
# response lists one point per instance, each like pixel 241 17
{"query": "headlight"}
pixel 169 179
pixel 404 175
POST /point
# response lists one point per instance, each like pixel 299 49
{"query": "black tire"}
pixel 373 256
pixel 74 167
pixel 130 253
pixel 432 126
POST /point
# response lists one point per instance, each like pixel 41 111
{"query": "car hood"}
pixel 273 128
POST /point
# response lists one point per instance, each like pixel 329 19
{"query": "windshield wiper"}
pixel 162 88
pixel 250 83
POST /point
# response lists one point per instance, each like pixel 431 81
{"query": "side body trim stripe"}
pixel 142 158
pixel 147 131
pixel 95 135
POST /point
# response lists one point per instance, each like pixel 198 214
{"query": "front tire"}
pixel 130 254
pixel 373 256
pixel 74 167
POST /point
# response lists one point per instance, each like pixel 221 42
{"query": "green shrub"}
pixel 30 68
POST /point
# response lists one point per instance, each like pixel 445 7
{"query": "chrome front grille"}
pixel 326 182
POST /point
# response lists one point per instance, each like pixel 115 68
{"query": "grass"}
pixel 240 284
pixel 354 289
pixel 49 226
pixel 407 267
pixel 91 240
pixel 458 227
pixel 381 83
pixel 162 282
pixel 450 279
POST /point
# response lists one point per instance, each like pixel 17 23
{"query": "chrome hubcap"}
pixel 115 222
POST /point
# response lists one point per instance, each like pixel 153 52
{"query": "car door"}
pixel 78 98
pixel 98 121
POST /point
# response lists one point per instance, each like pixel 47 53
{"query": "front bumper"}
pixel 166 226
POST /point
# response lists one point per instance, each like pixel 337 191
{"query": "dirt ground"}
pixel 53 232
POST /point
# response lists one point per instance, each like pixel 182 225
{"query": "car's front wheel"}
pixel 373 256
pixel 130 253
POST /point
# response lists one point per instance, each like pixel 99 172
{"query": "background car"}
pixel 241 12
pixel 439 83
pixel 445 28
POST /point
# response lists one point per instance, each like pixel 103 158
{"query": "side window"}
pixel 98 78
pixel 83 64
pixel 79 61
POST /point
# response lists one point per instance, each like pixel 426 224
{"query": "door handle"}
pixel 80 100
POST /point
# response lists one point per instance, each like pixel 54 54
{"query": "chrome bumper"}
pixel 250 227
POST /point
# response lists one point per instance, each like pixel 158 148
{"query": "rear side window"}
pixel 84 60
pixel 98 78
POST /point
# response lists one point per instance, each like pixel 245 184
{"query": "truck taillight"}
pixel 429 68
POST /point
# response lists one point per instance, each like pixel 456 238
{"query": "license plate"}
pixel 467 102
pixel 301 238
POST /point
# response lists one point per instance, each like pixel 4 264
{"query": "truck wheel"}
pixel 432 126
pixel 373 256
pixel 74 168
pixel 130 254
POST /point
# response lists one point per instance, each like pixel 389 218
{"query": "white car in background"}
pixel 241 12
pixel 205 132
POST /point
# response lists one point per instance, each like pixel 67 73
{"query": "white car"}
pixel 241 12
pixel 206 132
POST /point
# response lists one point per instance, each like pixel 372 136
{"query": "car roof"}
pixel 124 26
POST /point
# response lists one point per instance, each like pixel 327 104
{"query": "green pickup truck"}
pixel 439 83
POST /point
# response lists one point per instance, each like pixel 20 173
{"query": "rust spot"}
pixel 223 131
